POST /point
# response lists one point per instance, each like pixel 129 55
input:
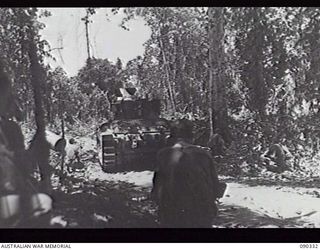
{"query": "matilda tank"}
pixel 131 140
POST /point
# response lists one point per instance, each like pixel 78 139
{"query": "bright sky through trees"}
pixel 65 29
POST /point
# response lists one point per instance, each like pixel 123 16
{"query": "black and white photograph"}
pixel 159 117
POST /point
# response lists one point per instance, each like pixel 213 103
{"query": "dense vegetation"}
pixel 249 74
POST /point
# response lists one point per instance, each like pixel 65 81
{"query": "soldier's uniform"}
pixel 19 199
pixel 186 185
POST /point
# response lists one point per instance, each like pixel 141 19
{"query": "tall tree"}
pixel 87 21
pixel 218 111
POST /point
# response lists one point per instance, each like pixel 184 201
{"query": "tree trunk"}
pixel 218 112
pixel 210 87
pixel 86 22
pixel 168 80
pixel 39 145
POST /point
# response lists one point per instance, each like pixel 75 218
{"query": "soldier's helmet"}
pixel 182 128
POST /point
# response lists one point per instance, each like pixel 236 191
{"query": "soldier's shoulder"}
pixel 187 148
pixel 199 149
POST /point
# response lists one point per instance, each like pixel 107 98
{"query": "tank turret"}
pixel 132 140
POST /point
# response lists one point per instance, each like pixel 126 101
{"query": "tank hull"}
pixel 132 145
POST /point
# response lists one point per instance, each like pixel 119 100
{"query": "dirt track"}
pixel 101 204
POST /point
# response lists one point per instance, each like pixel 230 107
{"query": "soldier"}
pixel 275 158
pixel 217 146
pixel 19 198
pixel 185 184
